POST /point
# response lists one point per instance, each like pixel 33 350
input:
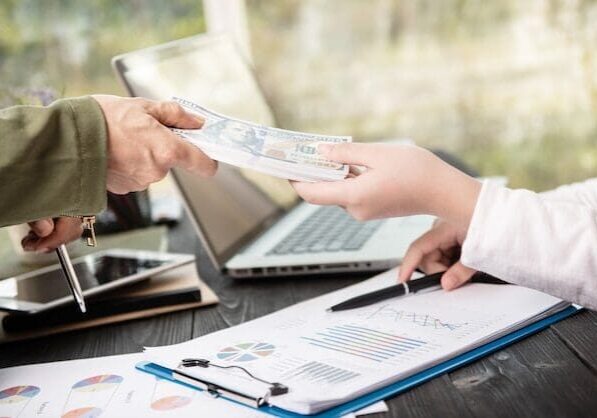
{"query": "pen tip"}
pixel 329 310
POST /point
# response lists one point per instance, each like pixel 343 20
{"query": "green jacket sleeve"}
pixel 52 160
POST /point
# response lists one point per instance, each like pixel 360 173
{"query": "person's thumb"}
pixel 347 152
pixel 173 115
pixel 43 227
pixel 456 276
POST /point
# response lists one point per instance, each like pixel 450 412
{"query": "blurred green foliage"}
pixel 66 45
pixel 510 86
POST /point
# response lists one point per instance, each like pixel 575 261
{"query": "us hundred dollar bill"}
pixel 279 152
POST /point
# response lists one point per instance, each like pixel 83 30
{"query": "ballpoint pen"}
pixel 71 276
pixel 88 223
pixel 428 282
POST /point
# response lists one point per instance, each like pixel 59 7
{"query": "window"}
pixel 510 86
pixel 63 47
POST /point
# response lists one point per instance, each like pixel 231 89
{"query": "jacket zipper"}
pixel 88 223
pixel 89 230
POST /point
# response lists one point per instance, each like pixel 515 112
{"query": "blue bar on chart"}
pixel 315 371
pixel 364 342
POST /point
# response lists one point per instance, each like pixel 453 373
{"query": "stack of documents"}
pixel 110 387
pixel 327 359
pixel 277 152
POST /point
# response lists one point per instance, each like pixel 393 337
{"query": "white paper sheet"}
pixel 106 387
pixel 328 358
pixel 110 387
pixel 376 408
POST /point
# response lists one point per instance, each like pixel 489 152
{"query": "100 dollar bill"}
pixel 255 146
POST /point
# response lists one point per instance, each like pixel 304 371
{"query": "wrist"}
pixel 454 197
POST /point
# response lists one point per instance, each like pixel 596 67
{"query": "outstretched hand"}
pixel 141 148
pixel 396 180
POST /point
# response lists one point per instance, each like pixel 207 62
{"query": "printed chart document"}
pixel 106 387
pixel 330 358
pixel 110 387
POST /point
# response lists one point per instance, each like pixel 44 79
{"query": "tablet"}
pixel 99 272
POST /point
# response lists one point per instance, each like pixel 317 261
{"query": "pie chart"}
pixel 89 412
pixel 170 402
pixel 18 394
pixel 98 383
pixel 246 351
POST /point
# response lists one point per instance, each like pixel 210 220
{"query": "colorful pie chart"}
pixel 88 412
pixel 18 394
pixel 246 351
pixel 170 402
pixel 98 383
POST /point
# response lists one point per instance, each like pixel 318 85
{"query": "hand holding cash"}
pixel 277 152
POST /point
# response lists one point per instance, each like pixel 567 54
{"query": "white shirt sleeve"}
pixel 546 242
pixel 584 192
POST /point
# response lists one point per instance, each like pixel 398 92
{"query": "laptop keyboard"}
pixel 328 229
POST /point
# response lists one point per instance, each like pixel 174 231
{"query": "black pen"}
pixel 402 289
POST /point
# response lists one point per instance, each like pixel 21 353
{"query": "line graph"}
pixel 415 318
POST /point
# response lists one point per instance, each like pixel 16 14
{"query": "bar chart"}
pixel 318 372
pixel 364 342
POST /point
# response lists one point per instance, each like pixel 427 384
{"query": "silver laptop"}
pixel 253 225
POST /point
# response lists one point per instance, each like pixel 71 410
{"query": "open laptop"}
pixel 254 225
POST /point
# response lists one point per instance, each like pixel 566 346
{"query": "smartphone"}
pixel 99 272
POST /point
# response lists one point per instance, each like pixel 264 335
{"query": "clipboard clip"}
pixel 274 389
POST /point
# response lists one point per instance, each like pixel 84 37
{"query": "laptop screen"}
pixel 233 207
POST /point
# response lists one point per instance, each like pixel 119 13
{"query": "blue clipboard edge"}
pixel 402 385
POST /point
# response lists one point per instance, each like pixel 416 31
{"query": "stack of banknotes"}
pixel 277 152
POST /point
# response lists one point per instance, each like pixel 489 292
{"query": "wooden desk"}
pixel 552 374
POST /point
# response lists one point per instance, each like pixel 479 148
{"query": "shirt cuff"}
pixel 474 254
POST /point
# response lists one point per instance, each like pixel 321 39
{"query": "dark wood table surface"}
pixel 551 374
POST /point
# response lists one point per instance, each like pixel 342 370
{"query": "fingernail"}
pixel 44 250
pixel 200 120
pixel 46 223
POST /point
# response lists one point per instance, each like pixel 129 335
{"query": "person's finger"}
pixel 43 227
pixel 326 192
pixel 456 276
pixel 28 242
pixel 422 246
pixel 66 230
pixel 354 153
pixel 173 115
pixel 356 170
pixel 433 263
pixel 193 159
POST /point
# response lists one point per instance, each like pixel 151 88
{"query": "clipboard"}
pixel 399 386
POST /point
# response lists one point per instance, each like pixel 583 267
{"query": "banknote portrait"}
pixel 235 134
